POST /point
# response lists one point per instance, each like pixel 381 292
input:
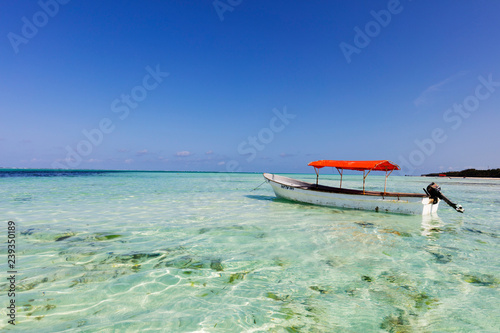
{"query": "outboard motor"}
pixel 434 191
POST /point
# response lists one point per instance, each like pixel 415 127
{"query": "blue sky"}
pixel 239 85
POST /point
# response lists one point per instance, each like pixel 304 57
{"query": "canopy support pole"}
pixel 364 177
pixel 386 175
pixel 317 175
pixel 340 172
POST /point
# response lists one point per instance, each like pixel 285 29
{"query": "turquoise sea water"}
pixel 202 252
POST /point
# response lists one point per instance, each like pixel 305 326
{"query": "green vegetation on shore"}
pixel 491 173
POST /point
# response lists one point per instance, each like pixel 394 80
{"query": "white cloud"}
pixel 426 94
pixel 210 152
pixel 183 153
pixel 142 152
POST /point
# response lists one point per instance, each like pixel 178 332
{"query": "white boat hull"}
pixel 291 189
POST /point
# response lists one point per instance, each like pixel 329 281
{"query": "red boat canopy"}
pixel 382 165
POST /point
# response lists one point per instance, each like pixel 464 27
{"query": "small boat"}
pixel 394 202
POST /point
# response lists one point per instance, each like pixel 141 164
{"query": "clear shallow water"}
pixel 186 252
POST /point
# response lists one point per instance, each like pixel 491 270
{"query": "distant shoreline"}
pixel 13 172
pixel 486 178
pixel 468 173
